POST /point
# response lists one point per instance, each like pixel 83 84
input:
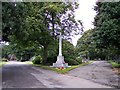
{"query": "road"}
pixel 99 72
pixel 21 75
pixel 18 74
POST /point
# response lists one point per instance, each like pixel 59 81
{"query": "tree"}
pixel 39 23
pixel 107 26
pixel 86 47
pixel 69 53
pixel 22 53
pixel 85 44
pixel 12 20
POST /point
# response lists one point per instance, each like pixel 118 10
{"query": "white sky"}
pixel 86 14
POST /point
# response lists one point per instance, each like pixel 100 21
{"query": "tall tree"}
pixel 107 25
pixel 86 47
pixel 40 23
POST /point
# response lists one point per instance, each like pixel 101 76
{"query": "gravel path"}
pixel 99 71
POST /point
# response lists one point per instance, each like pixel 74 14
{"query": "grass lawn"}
pixel 2 63
pixel 116 67
pixel 114 64
pixel 61 71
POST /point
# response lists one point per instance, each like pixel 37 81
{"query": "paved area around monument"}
pixel 21 75
pixel 99 72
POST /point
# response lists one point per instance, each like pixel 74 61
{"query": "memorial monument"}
pixel 60 59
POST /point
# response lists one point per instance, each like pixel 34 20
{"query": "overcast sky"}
pixel 86 14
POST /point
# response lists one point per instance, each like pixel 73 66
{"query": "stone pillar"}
pixel 60 45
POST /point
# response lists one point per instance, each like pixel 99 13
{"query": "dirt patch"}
pixel 117 70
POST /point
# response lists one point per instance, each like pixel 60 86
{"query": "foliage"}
pixel 2 63
pixel 104 40
pixel 22 54
pixel 30 24
pixel 3 60
pixel 114 64
pixel 6 50
pixel 37 60
pixel 79 59
pixel 86 47
pixel 85 43
pixel 69 53
pixel 107 26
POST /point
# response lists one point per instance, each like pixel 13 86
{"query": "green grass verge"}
pixel 28 62
pixel 114 64
pixel 2 63
pixel 63 71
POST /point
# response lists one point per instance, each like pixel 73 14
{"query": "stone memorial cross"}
pixel 60 59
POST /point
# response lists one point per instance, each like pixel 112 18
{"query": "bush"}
pixel 3 59
pixel 37 60
pixel 71 61
pixel 25 59
pixel 79 60
pixel 114 64
pixel 51 60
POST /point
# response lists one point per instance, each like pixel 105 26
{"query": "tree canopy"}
pixel 107 25
pixel 38 23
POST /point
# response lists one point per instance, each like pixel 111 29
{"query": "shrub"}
pixel 37 60
pixel 3 59
pixel 71 61
pixel 79 60
pixel 114 64
pixel 51 60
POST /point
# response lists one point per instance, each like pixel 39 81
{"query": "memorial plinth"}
pixel 60 62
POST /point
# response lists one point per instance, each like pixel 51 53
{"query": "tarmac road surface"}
pixel 21 75
pixel 99 72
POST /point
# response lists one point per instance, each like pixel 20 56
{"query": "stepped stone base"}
pixel 60 65
pixel 60 62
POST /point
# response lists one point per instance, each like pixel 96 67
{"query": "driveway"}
pixel 99 72
pixel 21 75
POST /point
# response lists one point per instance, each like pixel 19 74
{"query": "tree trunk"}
pixel 45 52
pixel 53 26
